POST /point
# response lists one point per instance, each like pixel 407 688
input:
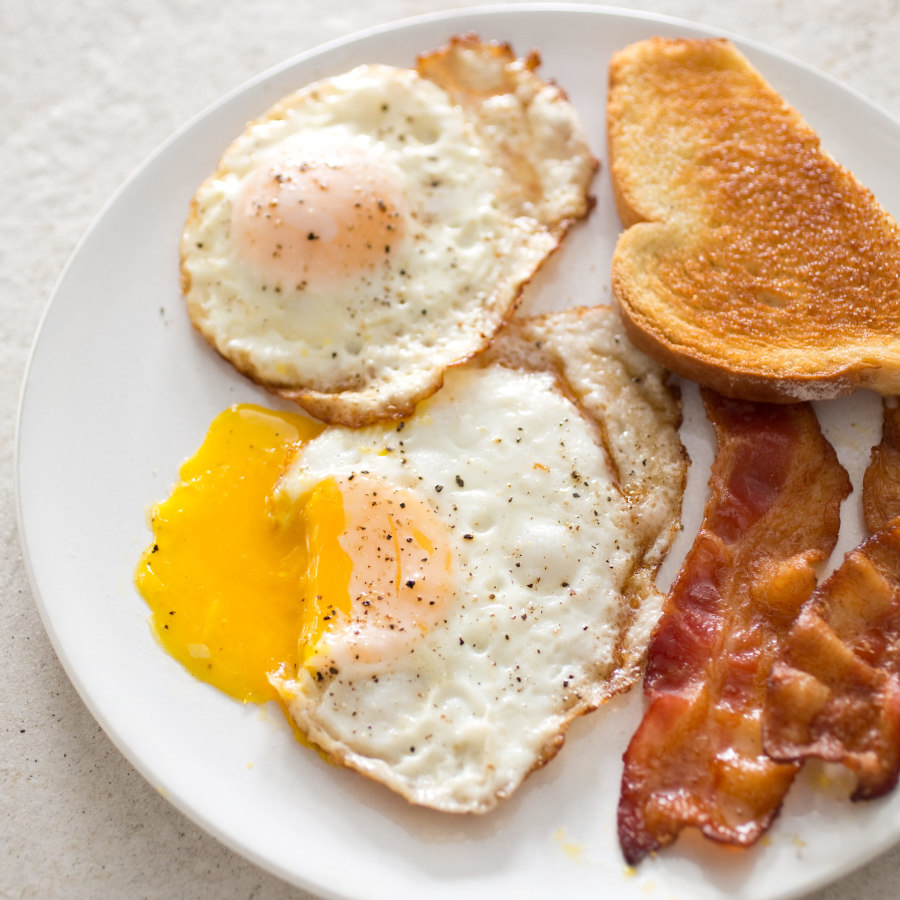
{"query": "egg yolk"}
pixel 223 579
pixel 241 588
pixel 322 217
pixel 380 564
pixel 326 586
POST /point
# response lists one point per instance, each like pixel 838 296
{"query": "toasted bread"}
pixel 752 261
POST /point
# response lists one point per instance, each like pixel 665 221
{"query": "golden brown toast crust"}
pixel 756 264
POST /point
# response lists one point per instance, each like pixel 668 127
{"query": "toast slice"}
pixel 752 261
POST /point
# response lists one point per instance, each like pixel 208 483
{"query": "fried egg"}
pixel 480 572
pixel 377 227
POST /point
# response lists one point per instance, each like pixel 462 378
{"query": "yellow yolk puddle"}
pixel 223 578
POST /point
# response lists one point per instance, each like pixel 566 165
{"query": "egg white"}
pixel 553 601
pixel 490 165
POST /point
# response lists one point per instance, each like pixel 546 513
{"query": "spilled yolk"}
pixel 222 578
pixel 318 218
pixel 240 588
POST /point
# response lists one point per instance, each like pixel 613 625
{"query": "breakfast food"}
pixel 377 227
pixel 834 691
pixel 476 563
pixel 482 572
pixel 697 757
pixel 752 261
pixel 881 481
pixel 220 581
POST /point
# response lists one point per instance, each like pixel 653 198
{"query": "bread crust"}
pixel 752 261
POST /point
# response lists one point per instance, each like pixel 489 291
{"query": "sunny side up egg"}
pixel 449 590
pixel 376 227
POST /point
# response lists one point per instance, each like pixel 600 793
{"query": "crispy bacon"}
pixel 881 483
pixel 834 691
pixel 697 758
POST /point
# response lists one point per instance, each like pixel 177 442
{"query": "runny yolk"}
pixel 240 588
pixel 224 580
pixel 326 587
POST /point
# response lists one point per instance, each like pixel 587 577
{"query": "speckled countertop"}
pixel 87 91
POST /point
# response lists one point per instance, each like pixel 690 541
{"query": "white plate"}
pixel 119 390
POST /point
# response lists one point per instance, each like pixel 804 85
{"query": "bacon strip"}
pixel 834 691
pixel 881 482
pixel 697 758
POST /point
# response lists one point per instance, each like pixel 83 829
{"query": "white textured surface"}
pixel 87 91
